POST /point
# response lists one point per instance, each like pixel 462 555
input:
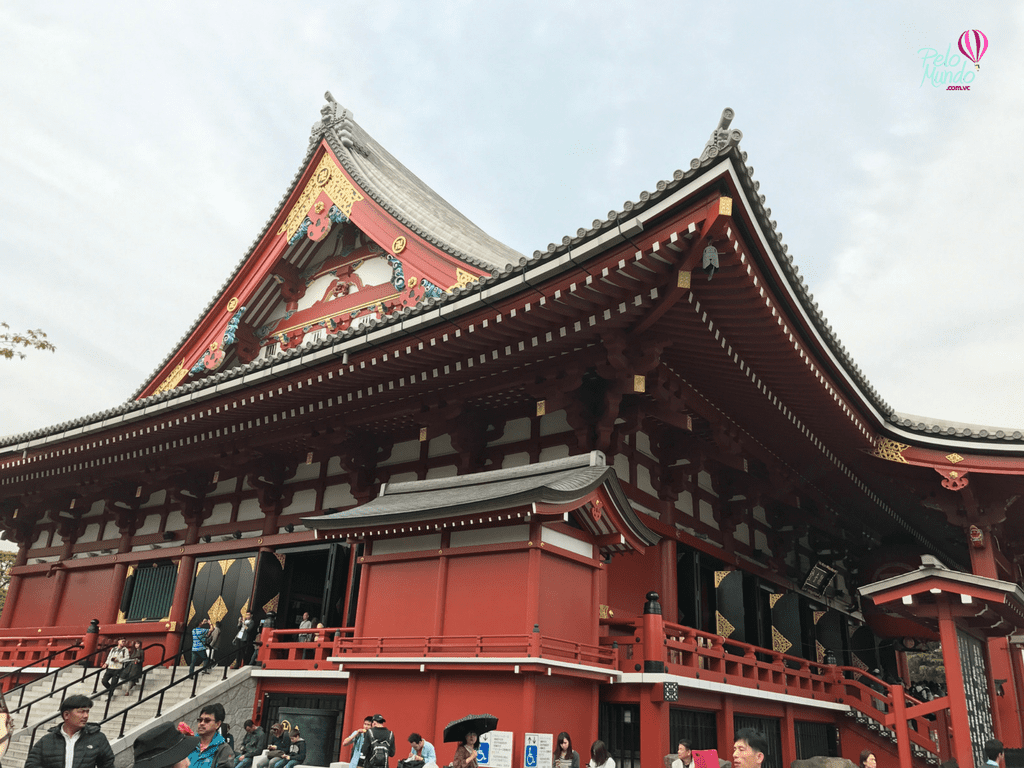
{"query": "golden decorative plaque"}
pixel 329 179
pixel 398 246
pixel 890 450
pixel 954 458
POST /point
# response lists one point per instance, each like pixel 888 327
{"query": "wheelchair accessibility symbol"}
pixel 531 756
pixel 482 753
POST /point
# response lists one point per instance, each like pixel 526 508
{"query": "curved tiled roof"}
pixel 371 165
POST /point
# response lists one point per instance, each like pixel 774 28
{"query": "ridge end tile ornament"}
pixel 890 450
pixel 327 184
pixel 721 141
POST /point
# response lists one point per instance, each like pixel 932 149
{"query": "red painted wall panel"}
pixel 486 594
pixel 86 596
pixel 568 610
pixel 559 705
pixel 630 577
pixel 34 601
pixel 400 598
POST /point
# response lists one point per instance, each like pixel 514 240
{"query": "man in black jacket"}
pixel 253 744
pixel 90 748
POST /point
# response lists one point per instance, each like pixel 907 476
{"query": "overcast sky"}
pixel 143 146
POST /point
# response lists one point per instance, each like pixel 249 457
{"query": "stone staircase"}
pixel 178 704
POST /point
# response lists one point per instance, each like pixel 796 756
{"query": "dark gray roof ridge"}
pixel 404 195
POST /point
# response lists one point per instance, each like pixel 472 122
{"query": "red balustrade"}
pixel 283 650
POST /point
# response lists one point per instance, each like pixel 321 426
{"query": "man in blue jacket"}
pixel 212 751
pixel 89 747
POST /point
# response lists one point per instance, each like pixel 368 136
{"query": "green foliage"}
pixel 926 665
pixel 12 341
pixel 6 563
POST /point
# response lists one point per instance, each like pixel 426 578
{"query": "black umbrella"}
pixel 456 730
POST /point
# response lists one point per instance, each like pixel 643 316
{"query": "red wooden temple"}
pixel 631 486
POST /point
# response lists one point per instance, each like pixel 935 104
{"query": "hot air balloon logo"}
pixel 973 45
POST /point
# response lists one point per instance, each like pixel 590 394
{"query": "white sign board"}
pixel 495 750
pixel 538 750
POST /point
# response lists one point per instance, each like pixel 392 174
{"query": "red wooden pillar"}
pixel 899 714
pixel 1006 706
pixel 788 737
pixel 954 684
pixel 179 602
pixel 1017 679
pixel 654 725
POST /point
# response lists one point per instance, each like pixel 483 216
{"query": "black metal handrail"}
pixel 86 675
pixel 160 693
pixel 142 698
pixel 35 663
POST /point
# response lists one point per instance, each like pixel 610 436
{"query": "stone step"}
pixel 138 716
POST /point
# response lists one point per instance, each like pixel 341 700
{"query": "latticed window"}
pixel 816 740
pixel 148 593
pixel 698 726
pixel 771 729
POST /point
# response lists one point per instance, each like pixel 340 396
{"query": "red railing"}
pixel 688 653
pixel 23 651
pixel 283 650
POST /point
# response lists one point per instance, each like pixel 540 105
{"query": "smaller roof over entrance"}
pixel 583 485
pixel 990 607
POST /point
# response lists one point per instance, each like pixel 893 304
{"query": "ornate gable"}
pixel 332 260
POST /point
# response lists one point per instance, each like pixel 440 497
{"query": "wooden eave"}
pixel 719 329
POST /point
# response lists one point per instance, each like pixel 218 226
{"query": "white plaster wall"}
pixel 448 470
pixel 90 534
pixel 515 431
pixel 403 452
pixel 306 472
pixel 565 541
pixel 407 544
pixel 643 444
pixel 643 480
pixel 402 477
pixel 339 495
pixel 685 503
pixel 621 465
pixel 440 446
pixel 249 509
pixel 156 499
pixel 221 513
pixel 515 460
pixel 176 521
pixel 742 533
pixel 761 542
pixel 334 466
pixel 302 502
pixel 150 525
pixel 706 515
pixel 482 536
pixel 554 452
pixel 554 424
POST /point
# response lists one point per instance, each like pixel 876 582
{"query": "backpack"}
pixel 378 749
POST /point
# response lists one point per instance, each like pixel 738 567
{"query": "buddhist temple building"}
pixel 630 486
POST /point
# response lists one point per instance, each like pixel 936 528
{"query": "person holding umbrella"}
pixel 466 731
